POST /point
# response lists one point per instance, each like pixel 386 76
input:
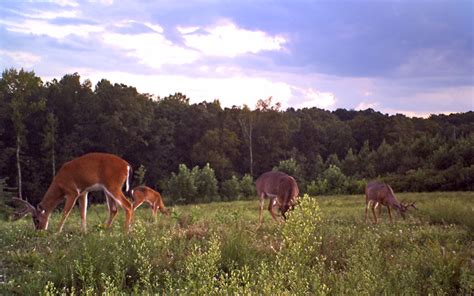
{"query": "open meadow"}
pixel 325 247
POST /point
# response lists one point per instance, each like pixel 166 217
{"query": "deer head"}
pixel 403 208
pixel 40 218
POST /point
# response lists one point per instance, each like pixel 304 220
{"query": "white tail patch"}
pixel 127 185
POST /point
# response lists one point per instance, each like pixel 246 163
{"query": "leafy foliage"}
pixel 43 125
pixel 324 248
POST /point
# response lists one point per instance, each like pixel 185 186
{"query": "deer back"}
pixel 279 184
pixel 381 193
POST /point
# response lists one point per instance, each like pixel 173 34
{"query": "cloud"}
pixel 21 58
pixel 43 27
pixel 151 49
pixel 367 105
pixel 314 98
pixel 227 40
pixel 155 50
pixel 233 90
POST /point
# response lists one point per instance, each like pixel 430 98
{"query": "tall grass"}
pixel 324 248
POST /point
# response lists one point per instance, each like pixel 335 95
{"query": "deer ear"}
pixel 40 209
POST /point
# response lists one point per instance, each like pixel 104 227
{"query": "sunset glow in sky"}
pixel 410 57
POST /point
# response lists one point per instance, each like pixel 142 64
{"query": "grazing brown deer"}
pixel 74 180
pixel 143 194
pixel 377 194
pixel 280 188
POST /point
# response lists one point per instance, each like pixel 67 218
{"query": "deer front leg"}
pixel 70 201
pixel 154 210
pixel 271 205
pixel 373 212
pixel 83 207
pixel 389 214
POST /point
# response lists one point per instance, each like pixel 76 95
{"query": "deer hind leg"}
pixel 83 207
pixel 117 195
pixel 112 206
pixel 367 204
pixel 262 202
pixel 70 201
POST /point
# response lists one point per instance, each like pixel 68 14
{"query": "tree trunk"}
pixel 247 132
pixel 18 166
pixel 53 159
pixel 250 148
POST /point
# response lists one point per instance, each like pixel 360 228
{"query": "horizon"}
pixel 395 57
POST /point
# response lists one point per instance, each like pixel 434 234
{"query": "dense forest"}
pixel 201 152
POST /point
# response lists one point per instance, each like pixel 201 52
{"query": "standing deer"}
pixel 143 194
pixel 377 194
pixel 280 188
pixel 74 180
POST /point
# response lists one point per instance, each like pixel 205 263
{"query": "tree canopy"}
pixel 43 125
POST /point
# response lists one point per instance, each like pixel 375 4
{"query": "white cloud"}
pixel 41 27
pixel 64 2
pixel 103 2
pixel 47 15
pixel 227 40
pixel 234 90
pixel 314 98
pixel 151 49
pixel 187 30
pixel 366 105
pixel 21 58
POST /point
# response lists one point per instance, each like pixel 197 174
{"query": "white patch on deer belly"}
pixel 271 195
pixel 94 187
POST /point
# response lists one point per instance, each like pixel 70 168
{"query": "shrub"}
pixel 230 189
pixel 206 183
pixel 247 187
pixel 182 186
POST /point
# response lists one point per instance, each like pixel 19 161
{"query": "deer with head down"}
pixel 141 194
pixel 380 194
pixel 280 188
pixel 74 180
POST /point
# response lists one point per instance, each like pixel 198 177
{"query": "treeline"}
pixel 43 125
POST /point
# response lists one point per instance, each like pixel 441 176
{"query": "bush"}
pixel 193 186
pixel 182 186
pixel 230 189
pixel 247 187
pixel 206 184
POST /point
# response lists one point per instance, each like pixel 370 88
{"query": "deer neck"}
pixel 51 198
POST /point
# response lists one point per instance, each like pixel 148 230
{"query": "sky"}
pixel 414 57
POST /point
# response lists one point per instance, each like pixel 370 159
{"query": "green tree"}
pixel 140 175
pixel 206 183
pixel 50 134
pixel 182 186
pixel 247 186
pixel 290 167
pixel 219 147
pixel 230 189
pixel 349 164
pixel 22 90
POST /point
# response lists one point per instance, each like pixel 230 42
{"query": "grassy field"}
pixel 324 248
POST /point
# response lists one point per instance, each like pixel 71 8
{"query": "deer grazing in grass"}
pixel 377 194
pixel 280 188
pixel 143 194
pixel 74 180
